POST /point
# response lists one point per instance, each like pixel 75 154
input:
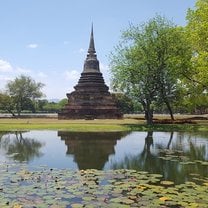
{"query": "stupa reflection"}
pixel 91 149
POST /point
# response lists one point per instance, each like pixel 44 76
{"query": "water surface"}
pixel 177 156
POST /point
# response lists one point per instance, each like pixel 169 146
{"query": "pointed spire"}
pixel 92 44
pixel 91 63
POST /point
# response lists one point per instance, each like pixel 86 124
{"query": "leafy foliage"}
pixel 6 103
pixel 149 61
pixel 24 91
pixel 53 107
pixel 197 34
pixel 125 104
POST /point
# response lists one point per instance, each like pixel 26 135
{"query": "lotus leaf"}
pixel 165 198
pixel 77 205
pixel 167 183
pixel 17 206
pixel 92 188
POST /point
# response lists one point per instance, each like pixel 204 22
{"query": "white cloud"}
pixel 72 75
pixel 41 74
pixel 5 78
pixel 81 50
pixel 5 66
pixel 3 81
pixel 32 45
pixel 9 69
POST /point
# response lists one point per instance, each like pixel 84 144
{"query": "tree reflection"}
pixel 3 134
pixel 146 159
pixel 194 153
pixel 20 148
pixel 170 140
pixel 167 159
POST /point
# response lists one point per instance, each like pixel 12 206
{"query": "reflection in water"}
pixel 146 158
pixel 176 160
pixel 176 156
pixel 91 149
pixel 18 147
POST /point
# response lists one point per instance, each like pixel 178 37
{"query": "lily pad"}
pixel 167 183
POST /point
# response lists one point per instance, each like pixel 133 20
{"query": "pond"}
pixel 177 156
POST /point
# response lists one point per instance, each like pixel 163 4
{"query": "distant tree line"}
pixel 23 94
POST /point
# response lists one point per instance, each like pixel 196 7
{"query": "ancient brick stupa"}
pixel 91 98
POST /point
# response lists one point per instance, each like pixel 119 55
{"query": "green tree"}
pixel 40 104
pixel 24 91
pixel 148 62
pixel 125 104
pixel 54 107
pixel 7 103
pixel 197 34
pixel 51 107
pixel 62 102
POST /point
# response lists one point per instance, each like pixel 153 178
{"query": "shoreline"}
pixel 129 123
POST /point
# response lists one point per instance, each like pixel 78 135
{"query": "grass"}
pixel 69 125
pixel 126 124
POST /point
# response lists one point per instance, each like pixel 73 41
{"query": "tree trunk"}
pixel 19 112
pixel 10 111
pixel 149 140
pixel 169 109
pixel 148 113
pixel 170 140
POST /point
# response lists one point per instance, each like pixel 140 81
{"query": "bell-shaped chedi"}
pixel 91 98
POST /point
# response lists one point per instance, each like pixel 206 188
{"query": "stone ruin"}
pixel 91 98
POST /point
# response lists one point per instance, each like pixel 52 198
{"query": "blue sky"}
pixel 48 39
